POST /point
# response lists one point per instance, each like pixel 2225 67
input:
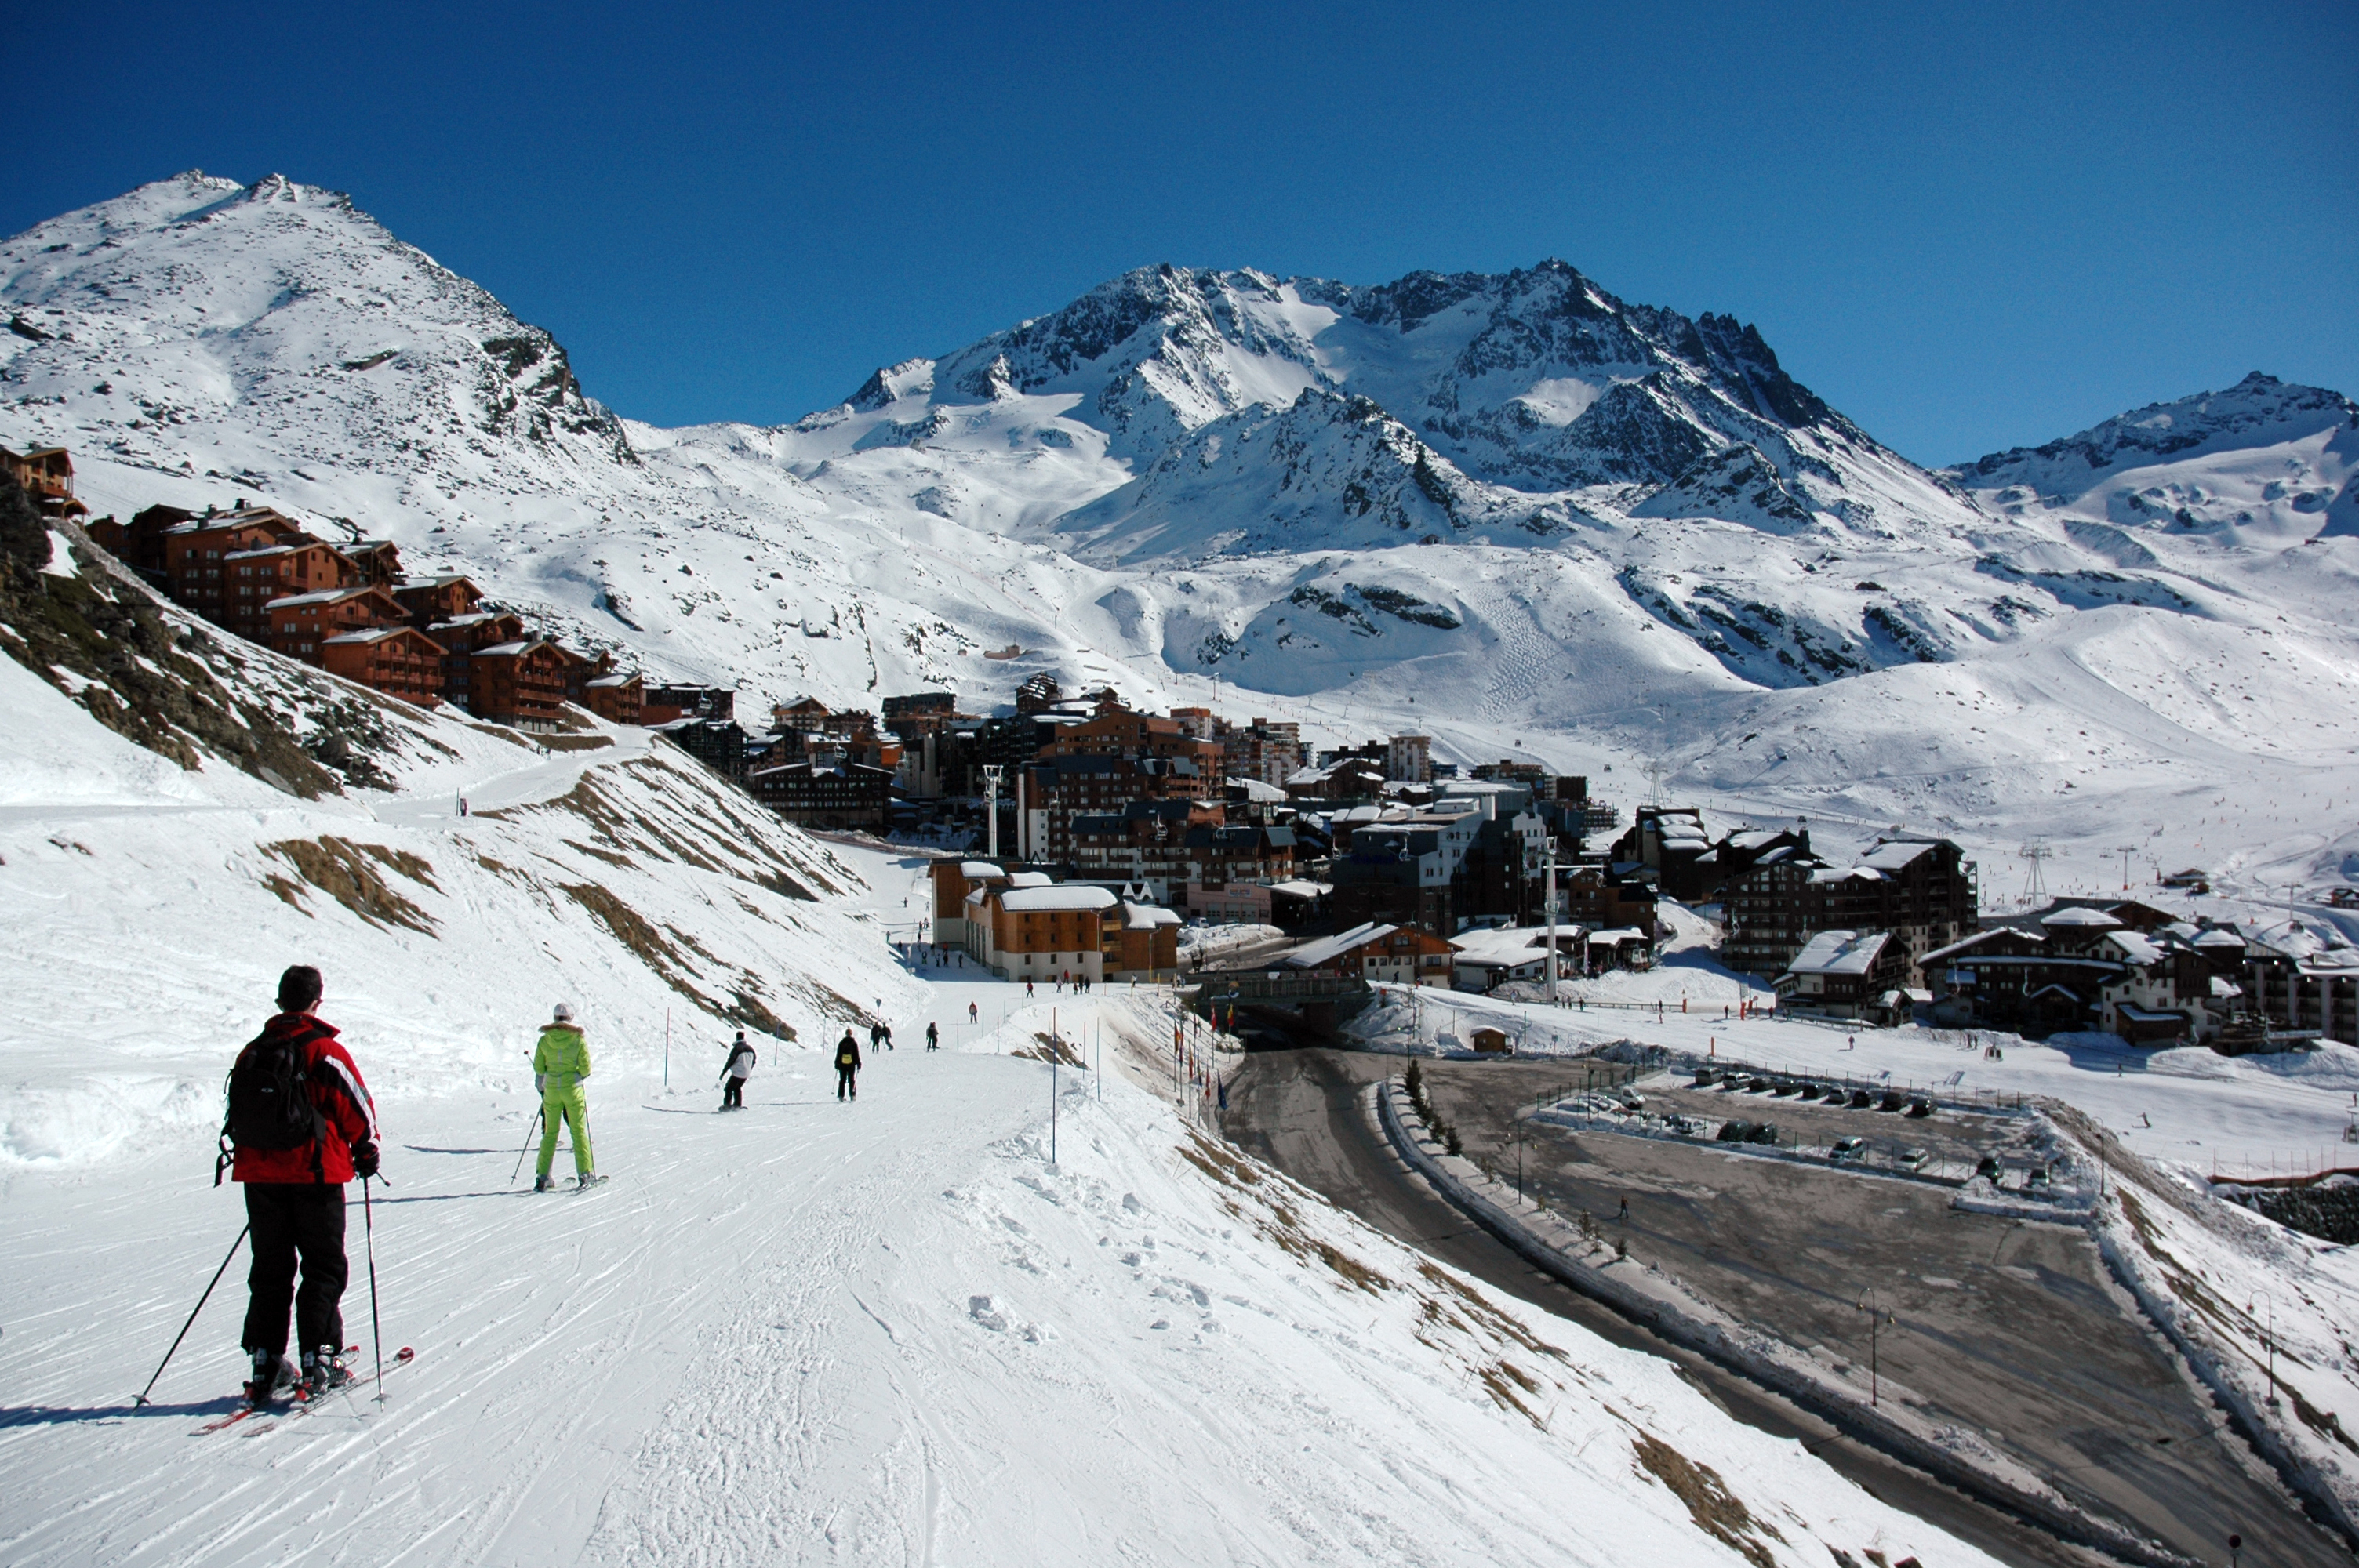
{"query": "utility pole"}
pixel 1875 1318
pixel 991 794
pixel 1552 916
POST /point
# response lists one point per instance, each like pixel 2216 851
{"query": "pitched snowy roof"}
pixel 1064 896
pixel 2135 947
pixel 1897 855
pixel 1303 890
pixel 1029 880
pixel 1259 792
pixel 1512 944
pixel 319 596
pixel 1982 937
pixel 2088 919
pixel 2220 936
pixel 1830 874
pixel 1327 949
pixel 1146 916
pixel 1616 937
pixel 974 869
pixel 1839 953
pixel 373 635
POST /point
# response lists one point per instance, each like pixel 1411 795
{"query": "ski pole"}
pixel 377 1329
pixel 192 1313
pixel 528 1145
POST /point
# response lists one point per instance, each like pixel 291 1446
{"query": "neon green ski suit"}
pixel 563 1060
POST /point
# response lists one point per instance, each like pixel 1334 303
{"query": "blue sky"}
pixel 1967 227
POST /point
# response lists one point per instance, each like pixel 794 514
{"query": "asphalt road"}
pixel 2006 1327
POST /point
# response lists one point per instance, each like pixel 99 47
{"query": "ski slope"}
pixel 954 1321
pixel 890 1330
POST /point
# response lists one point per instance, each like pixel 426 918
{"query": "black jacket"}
pixel 847 1052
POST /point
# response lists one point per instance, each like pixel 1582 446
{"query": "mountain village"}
pixel 1357 800
pixel 1102 831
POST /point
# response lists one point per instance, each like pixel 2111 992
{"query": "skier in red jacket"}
pixel 295 1189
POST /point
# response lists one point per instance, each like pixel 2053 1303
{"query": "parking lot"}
pixel 2010 1329
pixel 1949 1145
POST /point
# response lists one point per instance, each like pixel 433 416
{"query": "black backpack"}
pixel 270 1103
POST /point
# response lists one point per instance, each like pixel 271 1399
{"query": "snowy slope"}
pixel 811 1333
pixel 1511 511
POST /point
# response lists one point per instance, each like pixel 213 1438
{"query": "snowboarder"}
pixel 847 1067
pixel 559 1063
pixel 734 1072
pixel 294 1165
pixel 933 1037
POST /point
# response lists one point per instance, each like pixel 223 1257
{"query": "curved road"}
pixel 1302 1111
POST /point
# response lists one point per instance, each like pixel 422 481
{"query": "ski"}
pixel 298 1405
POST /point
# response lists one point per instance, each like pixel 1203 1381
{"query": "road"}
pixel 2038 1352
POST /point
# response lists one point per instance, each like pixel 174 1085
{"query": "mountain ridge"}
pixel 1189 476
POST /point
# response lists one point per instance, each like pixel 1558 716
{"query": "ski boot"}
pixel 324 1372
pixel 541 1183
pixel 271 1378
pixel 586 1180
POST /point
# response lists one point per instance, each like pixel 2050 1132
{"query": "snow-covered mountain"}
pixel 816 1331
pixel 1512 510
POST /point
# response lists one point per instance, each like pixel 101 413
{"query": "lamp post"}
pixel 1876 1318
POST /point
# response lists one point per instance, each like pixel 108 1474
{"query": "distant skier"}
pixel 933 1037
pixel 301 1125
pixel 739 1067
pixel 559 1063
pixel 847 1067
pixel 973 1014
pixel 880 1037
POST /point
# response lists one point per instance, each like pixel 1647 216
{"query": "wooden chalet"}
pixel 399 661
pixel 617 699
pixel 194 553
pixel 429 599
pixel 46 475
pixel 256 578
pixel 460 637
pixel 300 622
pixel 520 683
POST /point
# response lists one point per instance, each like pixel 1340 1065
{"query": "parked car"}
pixel 1735 1133
pixel 1914 1159
pixel 1763 1132
pixel 1847 1148
pixel 1893 1100
pixel 1861 1099
pixel 1920 1107
pixel 1988 1168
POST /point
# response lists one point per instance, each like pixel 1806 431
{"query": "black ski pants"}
pixel 847 1082
pixel 295 1221
pixel 734 1094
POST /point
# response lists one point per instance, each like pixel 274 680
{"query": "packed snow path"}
pixel 881 1331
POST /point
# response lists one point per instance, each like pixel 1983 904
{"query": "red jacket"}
pixel 343 1101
